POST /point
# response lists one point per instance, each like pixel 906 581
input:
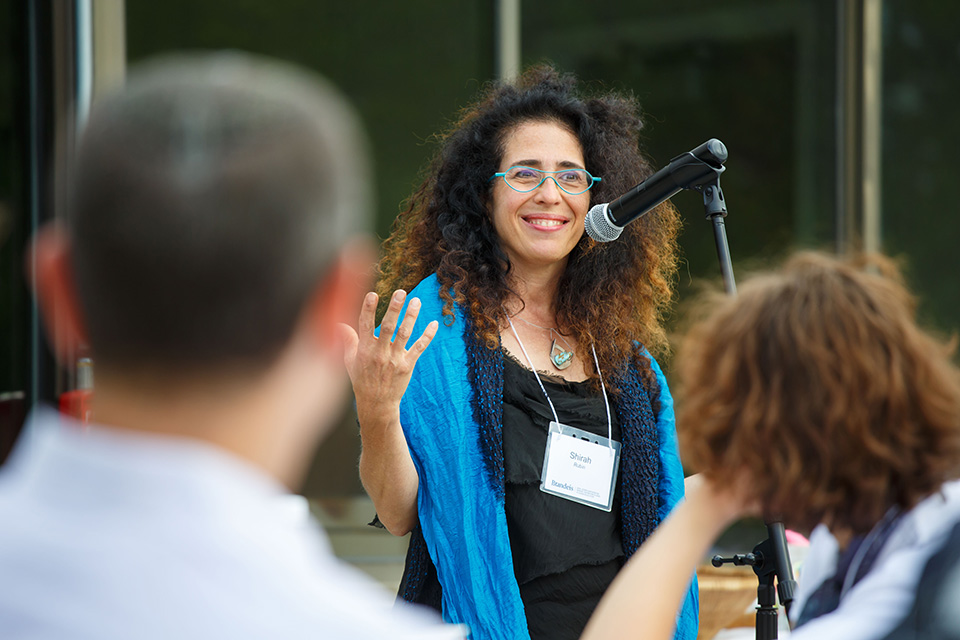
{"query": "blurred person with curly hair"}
pixel 529 322
pixel 815 398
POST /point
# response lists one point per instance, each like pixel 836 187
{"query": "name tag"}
pixel 580 466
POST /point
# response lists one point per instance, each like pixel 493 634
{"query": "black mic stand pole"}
pixel 771 557
pixel 716 210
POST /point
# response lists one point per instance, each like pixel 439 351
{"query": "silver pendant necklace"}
pixel 560 358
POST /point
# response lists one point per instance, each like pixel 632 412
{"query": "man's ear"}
pixel 50 276
pixel 337 298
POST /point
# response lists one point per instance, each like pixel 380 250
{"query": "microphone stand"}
pixel 700 170
pixel 771 557
pixel 716 210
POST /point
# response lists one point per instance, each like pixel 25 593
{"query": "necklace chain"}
pixel 561 359
pixel 550 329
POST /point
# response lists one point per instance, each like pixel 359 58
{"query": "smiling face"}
pixel 538 229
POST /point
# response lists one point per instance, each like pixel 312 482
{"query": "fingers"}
pixel 368 314
pixel 389 323
pixel 350 341
pixel 406 327
pixel 397 336
pixel 424 340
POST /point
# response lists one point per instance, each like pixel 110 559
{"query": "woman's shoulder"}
pixel 428 290
pixel 431 308
pixel 648 359
pixel 641 359
pixel 645 371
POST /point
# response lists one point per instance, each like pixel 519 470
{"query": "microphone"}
pixel 605 222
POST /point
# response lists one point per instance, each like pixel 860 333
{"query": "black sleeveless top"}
pixel 565 554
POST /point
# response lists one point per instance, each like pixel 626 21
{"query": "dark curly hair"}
pixel 612 295
pixel 817 380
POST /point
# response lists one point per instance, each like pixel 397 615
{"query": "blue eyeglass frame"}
pixel 503 174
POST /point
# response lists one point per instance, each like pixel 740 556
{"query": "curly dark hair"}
pixel 612 295
pixel 817 380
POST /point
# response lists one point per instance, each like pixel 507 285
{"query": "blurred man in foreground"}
pixel 208 258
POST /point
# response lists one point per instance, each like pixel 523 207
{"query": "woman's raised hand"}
pixel 380 367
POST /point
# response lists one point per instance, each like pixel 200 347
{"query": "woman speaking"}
pixel 531 449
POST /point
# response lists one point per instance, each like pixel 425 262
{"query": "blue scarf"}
pixel 452 418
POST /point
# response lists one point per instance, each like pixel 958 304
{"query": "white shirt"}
pixel 106 533
pixel 880 600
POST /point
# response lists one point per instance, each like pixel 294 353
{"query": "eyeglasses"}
pixel 524 179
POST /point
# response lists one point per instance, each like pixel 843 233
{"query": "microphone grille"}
pixel 598 225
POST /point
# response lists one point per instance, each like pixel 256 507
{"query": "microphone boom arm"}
pixel 690 170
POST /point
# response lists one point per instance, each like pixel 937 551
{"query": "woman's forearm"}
pixel 388 474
